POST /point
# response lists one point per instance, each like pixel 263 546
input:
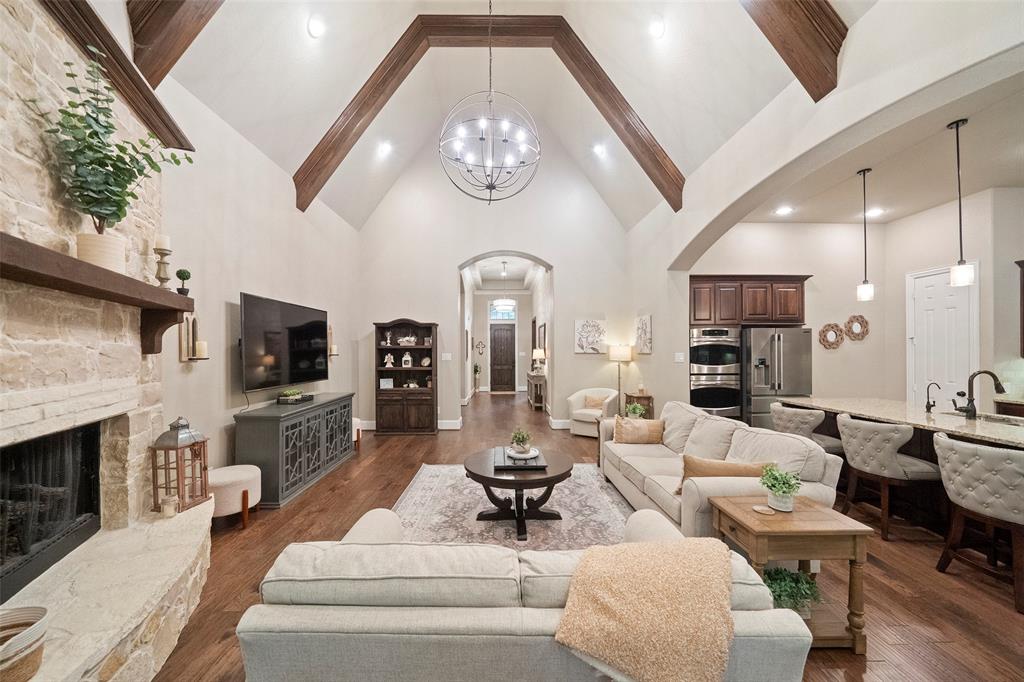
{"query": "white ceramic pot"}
pixel 105 250
pixel 782 503
pixel 521 449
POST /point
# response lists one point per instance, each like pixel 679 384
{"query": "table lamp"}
pixel 619 355
pixel 538 356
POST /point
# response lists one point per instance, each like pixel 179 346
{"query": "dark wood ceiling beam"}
pixel 807 34
pixel 458 30
pixel 163 29
pixel 335 145
pixel 84 27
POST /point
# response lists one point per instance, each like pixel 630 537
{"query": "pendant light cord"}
pixel 959 198
pixel 863 173
pixel 490 52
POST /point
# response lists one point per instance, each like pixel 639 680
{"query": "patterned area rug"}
pixel 441 504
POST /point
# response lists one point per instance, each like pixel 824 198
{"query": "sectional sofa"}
pixel 372 607
pixel 649 475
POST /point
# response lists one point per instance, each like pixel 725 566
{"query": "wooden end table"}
pixel 480 468
pixel 810 531
pixel 646 401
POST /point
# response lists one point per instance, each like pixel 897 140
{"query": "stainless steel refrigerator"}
pixel 776 363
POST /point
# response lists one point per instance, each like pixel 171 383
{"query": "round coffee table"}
pixel 480 468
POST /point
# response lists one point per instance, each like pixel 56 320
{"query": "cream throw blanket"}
pixel 653 610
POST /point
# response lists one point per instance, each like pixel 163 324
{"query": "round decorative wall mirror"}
pixel 831 336
pixel 857 327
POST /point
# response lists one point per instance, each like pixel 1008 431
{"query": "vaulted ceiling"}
pixel 257 67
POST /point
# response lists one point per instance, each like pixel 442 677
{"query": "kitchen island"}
pixel 996 433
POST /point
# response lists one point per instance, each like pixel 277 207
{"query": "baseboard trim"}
pixel 367 425
pixel 520 389
pixel 484 389
pixel 449 424
pixel 560 424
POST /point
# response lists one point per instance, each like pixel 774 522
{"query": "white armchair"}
pixel 583 419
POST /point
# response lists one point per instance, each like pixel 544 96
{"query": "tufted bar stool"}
pixel 803 422
pixel 986 484
pixel 871 451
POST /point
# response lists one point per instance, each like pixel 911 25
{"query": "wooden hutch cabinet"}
pixel 406 395
pixel 746 299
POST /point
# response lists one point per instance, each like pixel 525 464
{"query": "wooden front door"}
pixel 503 357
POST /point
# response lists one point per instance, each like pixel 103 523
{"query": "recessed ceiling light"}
pixel 383 149
pixel 783 210
pixel 874 212
pixel 316 26
pixel 600 151
pixel 657 27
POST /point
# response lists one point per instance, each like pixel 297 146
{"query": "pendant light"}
pixel 961 274
pixel 865 290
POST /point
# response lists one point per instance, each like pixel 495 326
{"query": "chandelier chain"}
pixel 490 51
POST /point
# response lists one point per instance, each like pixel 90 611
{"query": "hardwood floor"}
pixel 921 624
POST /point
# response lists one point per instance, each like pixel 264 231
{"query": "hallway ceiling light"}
pixel 865 290
pixel 657 27
pixel 961 274
pixel 783 210
pixel 502 130
pixel 874 212
pixel 315 26
pixel 503 305
pixel 504 268
pixel 600 151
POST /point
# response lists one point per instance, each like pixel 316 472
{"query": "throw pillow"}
pixel 698 467
pixel 593 402
pixel 711 436
pixel 638 431
pixel 680 419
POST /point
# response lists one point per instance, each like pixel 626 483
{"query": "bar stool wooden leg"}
pixel 956 532
pixel 245 508
pixel 851 489
pixel 885 509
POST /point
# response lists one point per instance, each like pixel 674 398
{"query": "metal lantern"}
pixel 179 466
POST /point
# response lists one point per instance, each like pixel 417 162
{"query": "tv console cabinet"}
pixel 294 445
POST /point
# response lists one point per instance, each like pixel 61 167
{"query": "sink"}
pixel 995 418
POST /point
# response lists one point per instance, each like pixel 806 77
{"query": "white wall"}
pixel 232 221
pixel 423 229
pixel 833 254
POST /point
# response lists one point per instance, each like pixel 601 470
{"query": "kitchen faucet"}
pixel 928 402
pixel 969 410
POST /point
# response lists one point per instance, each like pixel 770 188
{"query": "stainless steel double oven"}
pixel 715 368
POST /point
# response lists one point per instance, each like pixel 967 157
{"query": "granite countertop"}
pixel 899 412
pixel 1012 400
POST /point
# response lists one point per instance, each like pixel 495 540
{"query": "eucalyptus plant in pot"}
pixel 100 174
pixel 781 487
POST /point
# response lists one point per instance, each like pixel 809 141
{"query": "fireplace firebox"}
pixel 49 502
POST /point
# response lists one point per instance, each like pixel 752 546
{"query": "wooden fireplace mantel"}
pixel 23 261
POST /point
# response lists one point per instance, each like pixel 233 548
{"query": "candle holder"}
pixel 162 274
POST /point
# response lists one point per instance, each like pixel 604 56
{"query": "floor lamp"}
pixel 619 355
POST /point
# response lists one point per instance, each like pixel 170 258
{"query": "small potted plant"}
pixel 781 487
pixel 635 411
pixel 476 375
pixel 521 441
pixel 184 275
pixel 100 174
pixel 792 590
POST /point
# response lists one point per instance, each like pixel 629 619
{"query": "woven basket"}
pixel 22 631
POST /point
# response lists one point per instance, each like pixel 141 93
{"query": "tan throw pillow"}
pixel 638 431
pixel 593 402
pixel 698 467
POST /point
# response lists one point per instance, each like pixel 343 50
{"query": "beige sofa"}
pixel 648 475
pixel 583 420
pixel 373 607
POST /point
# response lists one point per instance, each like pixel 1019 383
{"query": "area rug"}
pixel 441 504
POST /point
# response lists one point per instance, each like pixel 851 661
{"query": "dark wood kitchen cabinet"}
pixel 747 299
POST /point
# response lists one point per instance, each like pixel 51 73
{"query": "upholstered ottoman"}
pixel 235 489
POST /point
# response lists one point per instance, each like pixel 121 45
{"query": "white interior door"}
pixel 940 332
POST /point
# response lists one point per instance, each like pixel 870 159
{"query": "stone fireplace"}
pixel 119 600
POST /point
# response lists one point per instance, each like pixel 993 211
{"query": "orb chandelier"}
pixel 489 145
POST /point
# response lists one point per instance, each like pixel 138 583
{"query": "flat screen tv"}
pixel 282 343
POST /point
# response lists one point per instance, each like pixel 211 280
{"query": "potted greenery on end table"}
pixel 781 487
pixel 99 174
pixel 635 411
pixel 792 590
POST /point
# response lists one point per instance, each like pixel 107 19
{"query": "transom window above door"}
pixel 502 309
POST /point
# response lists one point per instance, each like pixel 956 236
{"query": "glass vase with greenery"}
pixel 792 590
pixel 100 174
pixel 781 487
